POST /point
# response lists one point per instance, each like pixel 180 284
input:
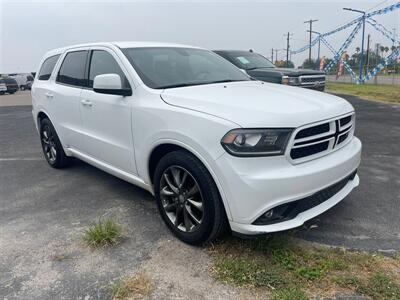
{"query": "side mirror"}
pixel 110 84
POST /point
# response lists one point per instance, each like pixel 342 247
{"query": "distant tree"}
pixel 382 49
pixel 393 48
pixel 386 49
pixel 282 64
pixel 310 64
pixel 374 58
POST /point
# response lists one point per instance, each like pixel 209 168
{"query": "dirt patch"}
pixel 180 271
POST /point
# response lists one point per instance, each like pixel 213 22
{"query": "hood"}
pixel 257 104
pixel 284 71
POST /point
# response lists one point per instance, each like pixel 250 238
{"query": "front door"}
pixel 107 118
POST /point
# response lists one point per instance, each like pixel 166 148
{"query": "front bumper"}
pixel 255 185
pixel 12 89
pixel 317 87
pixel 320 88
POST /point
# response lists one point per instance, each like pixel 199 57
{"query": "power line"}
pixel 379 4
pixel 353 19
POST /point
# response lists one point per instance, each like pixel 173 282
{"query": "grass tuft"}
pixel 136 287
pixel 381 286
pixel 103 233
pixel 247 273
pixel 291 293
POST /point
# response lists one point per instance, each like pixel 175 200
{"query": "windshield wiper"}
pixel 225 80
pixel 170 86
pixel 259 68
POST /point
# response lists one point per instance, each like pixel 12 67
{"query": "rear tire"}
pixel 194 215
pixel 51 145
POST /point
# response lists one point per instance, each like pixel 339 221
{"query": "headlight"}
pixel 256 142
pixel 290 80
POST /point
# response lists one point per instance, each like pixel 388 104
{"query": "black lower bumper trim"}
pixel 290 210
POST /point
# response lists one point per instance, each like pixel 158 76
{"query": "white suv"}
pixel 217 149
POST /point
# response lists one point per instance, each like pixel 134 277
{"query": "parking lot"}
pixel 44 211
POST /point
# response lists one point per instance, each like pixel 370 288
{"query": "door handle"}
pixel 49 95
pixel 86 102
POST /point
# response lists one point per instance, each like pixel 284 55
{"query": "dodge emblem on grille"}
pixel 337 133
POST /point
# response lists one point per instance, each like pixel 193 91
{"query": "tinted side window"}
pixel 72 70
pixel 102 62
pixel 47 67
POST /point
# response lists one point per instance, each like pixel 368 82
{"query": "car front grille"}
pixel 312 80
pixel 317 140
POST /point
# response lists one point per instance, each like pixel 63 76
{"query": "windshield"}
pixel 249 60
pixel 165 67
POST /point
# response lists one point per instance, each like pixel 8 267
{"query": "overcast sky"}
pixel 30 28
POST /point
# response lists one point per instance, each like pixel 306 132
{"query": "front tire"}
pixel 51 145
pixel 188 199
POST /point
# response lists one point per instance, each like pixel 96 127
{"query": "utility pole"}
pixel 287 49
pixel 272 55
pixel 309 50
pixel 376 60
pixel 362 42
pixel 276 54
pixel 367 55
pixel 319 44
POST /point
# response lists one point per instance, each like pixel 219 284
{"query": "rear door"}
pixel 64 99
pixel 44 84
pixel 107 118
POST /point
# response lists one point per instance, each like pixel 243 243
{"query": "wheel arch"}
pixel 42 114
pixel 165 147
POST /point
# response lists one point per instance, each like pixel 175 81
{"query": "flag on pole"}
pixel 322 63
pixel 341 64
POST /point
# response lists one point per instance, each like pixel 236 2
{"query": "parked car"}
pixel 24 81
pixel 217 149
pixel 8 85
pixel 259 67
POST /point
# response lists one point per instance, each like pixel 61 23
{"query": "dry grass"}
pixel 60 257
pixel 381 92
pixel 138 287
pixel 291 271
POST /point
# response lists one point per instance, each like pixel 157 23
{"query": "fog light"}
pixel 269 214
pixel 277 214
